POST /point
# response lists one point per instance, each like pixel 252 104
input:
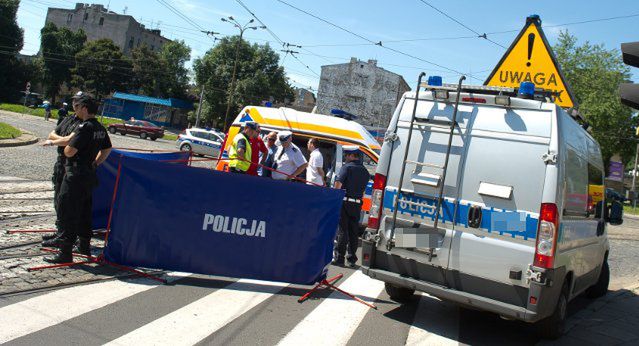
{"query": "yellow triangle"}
pixel 530 58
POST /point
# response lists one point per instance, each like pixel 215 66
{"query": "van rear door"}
pixel 500 194
pixel 422 178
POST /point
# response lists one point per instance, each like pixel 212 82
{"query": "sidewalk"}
pixel 26 138
pixel 611 320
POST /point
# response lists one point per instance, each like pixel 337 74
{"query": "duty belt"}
pixel 78 165
pixel 354 200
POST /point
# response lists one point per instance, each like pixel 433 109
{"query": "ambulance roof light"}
pixel 435 80
pixel 527 90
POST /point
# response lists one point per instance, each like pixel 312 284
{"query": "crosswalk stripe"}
pixel 334 321
pixel 49 309
pixel 203 317
pixel 435 323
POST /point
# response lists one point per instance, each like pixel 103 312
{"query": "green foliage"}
pixel 101 68
pixel 8 131
pixel 259 77
pixel 148 71
pixel 23 110
pixel 58 47
pixel 11 40
pixel 174 56
pixel 594 75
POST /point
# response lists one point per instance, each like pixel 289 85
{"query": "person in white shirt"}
pixel 315 170
pixel 289 160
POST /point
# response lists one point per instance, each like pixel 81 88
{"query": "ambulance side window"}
pixel 576 196
pixel 370 164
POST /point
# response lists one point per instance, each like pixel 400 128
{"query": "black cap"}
pixel 251 125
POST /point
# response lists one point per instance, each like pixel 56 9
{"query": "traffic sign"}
pixel 28 87
pixel 530 58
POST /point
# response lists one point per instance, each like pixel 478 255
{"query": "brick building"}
pixel 361 88
pixel 98 22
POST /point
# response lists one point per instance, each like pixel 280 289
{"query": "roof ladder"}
pixel 451 125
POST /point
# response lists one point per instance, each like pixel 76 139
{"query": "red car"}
pixel 141 128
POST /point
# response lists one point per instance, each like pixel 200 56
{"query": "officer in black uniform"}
pixel 353 177
pixel 64 128
pixel 76 191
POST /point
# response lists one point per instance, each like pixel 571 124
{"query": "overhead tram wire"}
pixel 484 35
pixel 380 43
pixel 277 38
pixel 184 17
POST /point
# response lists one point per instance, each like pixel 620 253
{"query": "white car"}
pixel 200 141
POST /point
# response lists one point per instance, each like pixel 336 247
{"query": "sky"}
pixel 437 37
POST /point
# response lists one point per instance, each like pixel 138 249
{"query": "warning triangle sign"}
pixel 530 58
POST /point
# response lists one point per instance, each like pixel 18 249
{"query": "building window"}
pixel 102 21
pixel 131 42
pixel 86 16
pixel 69 17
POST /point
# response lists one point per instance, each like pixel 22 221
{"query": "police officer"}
pixel 88 147
pixel 63 113
pixel 353 177
pixel 65 127
pixel 240 150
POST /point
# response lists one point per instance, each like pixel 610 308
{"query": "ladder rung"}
pixel 425 164
pixel 436 122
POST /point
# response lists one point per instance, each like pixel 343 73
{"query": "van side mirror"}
pixel 614 213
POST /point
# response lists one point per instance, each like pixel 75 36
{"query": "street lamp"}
pixel 242 28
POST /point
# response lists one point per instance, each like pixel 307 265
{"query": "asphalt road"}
pixel 36 162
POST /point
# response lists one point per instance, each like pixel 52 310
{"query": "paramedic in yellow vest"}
pixel 240 150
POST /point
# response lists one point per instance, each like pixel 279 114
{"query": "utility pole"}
pixel 199 108
pixel 242 28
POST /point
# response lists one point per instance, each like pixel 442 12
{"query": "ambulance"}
pixel 491 198
pixel 333 133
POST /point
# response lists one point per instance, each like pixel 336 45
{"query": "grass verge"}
pixel 7 131
pixel 627 209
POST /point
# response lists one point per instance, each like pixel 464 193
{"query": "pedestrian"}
pixel 315 168
pixel 62 112
pixel 289 160
pixel 268 162
pixel 352 177
pixel 64 128
pixel 47 110
pixel 258 148
pixel 240 152
pixel 88 147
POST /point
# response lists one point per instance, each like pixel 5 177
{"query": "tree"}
pixel 174 55
pixel 102 68
pixel 11 41
pixel 148 71
pixel 594 75
pixel 58 47
pixel 259 77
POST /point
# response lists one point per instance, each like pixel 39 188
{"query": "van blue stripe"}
pixel 505 222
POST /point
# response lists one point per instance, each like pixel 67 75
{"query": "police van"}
pixel 491 198
pixel 333 133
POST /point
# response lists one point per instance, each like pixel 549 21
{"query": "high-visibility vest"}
pixel 242 165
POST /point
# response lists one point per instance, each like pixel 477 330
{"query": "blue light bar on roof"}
pixel 435 80
pixel 527 89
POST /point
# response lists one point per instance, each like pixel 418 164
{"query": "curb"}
pixel 27 138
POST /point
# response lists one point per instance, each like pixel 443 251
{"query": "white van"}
pixel 500 204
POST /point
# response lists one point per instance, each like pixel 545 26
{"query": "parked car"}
pixel 201 141
pixel 141 128
pixel 32 99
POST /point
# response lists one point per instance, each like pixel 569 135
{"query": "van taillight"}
pixel 377 197
pixel 546 236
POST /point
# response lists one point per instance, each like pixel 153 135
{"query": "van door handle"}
pixel 474 216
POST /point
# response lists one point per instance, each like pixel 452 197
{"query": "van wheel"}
pixel 601 287
pixel 399 294
pixel 553 327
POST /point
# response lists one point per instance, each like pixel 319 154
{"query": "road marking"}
pixel 435 323
pixel 334 321
pixel 203 317
pixel 49 309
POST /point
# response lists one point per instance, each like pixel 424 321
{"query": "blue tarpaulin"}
pixel 103 194
pixel 196 220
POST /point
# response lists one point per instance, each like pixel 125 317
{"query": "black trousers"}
pixel 56 179
pixel 75 203
pixel 348 230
